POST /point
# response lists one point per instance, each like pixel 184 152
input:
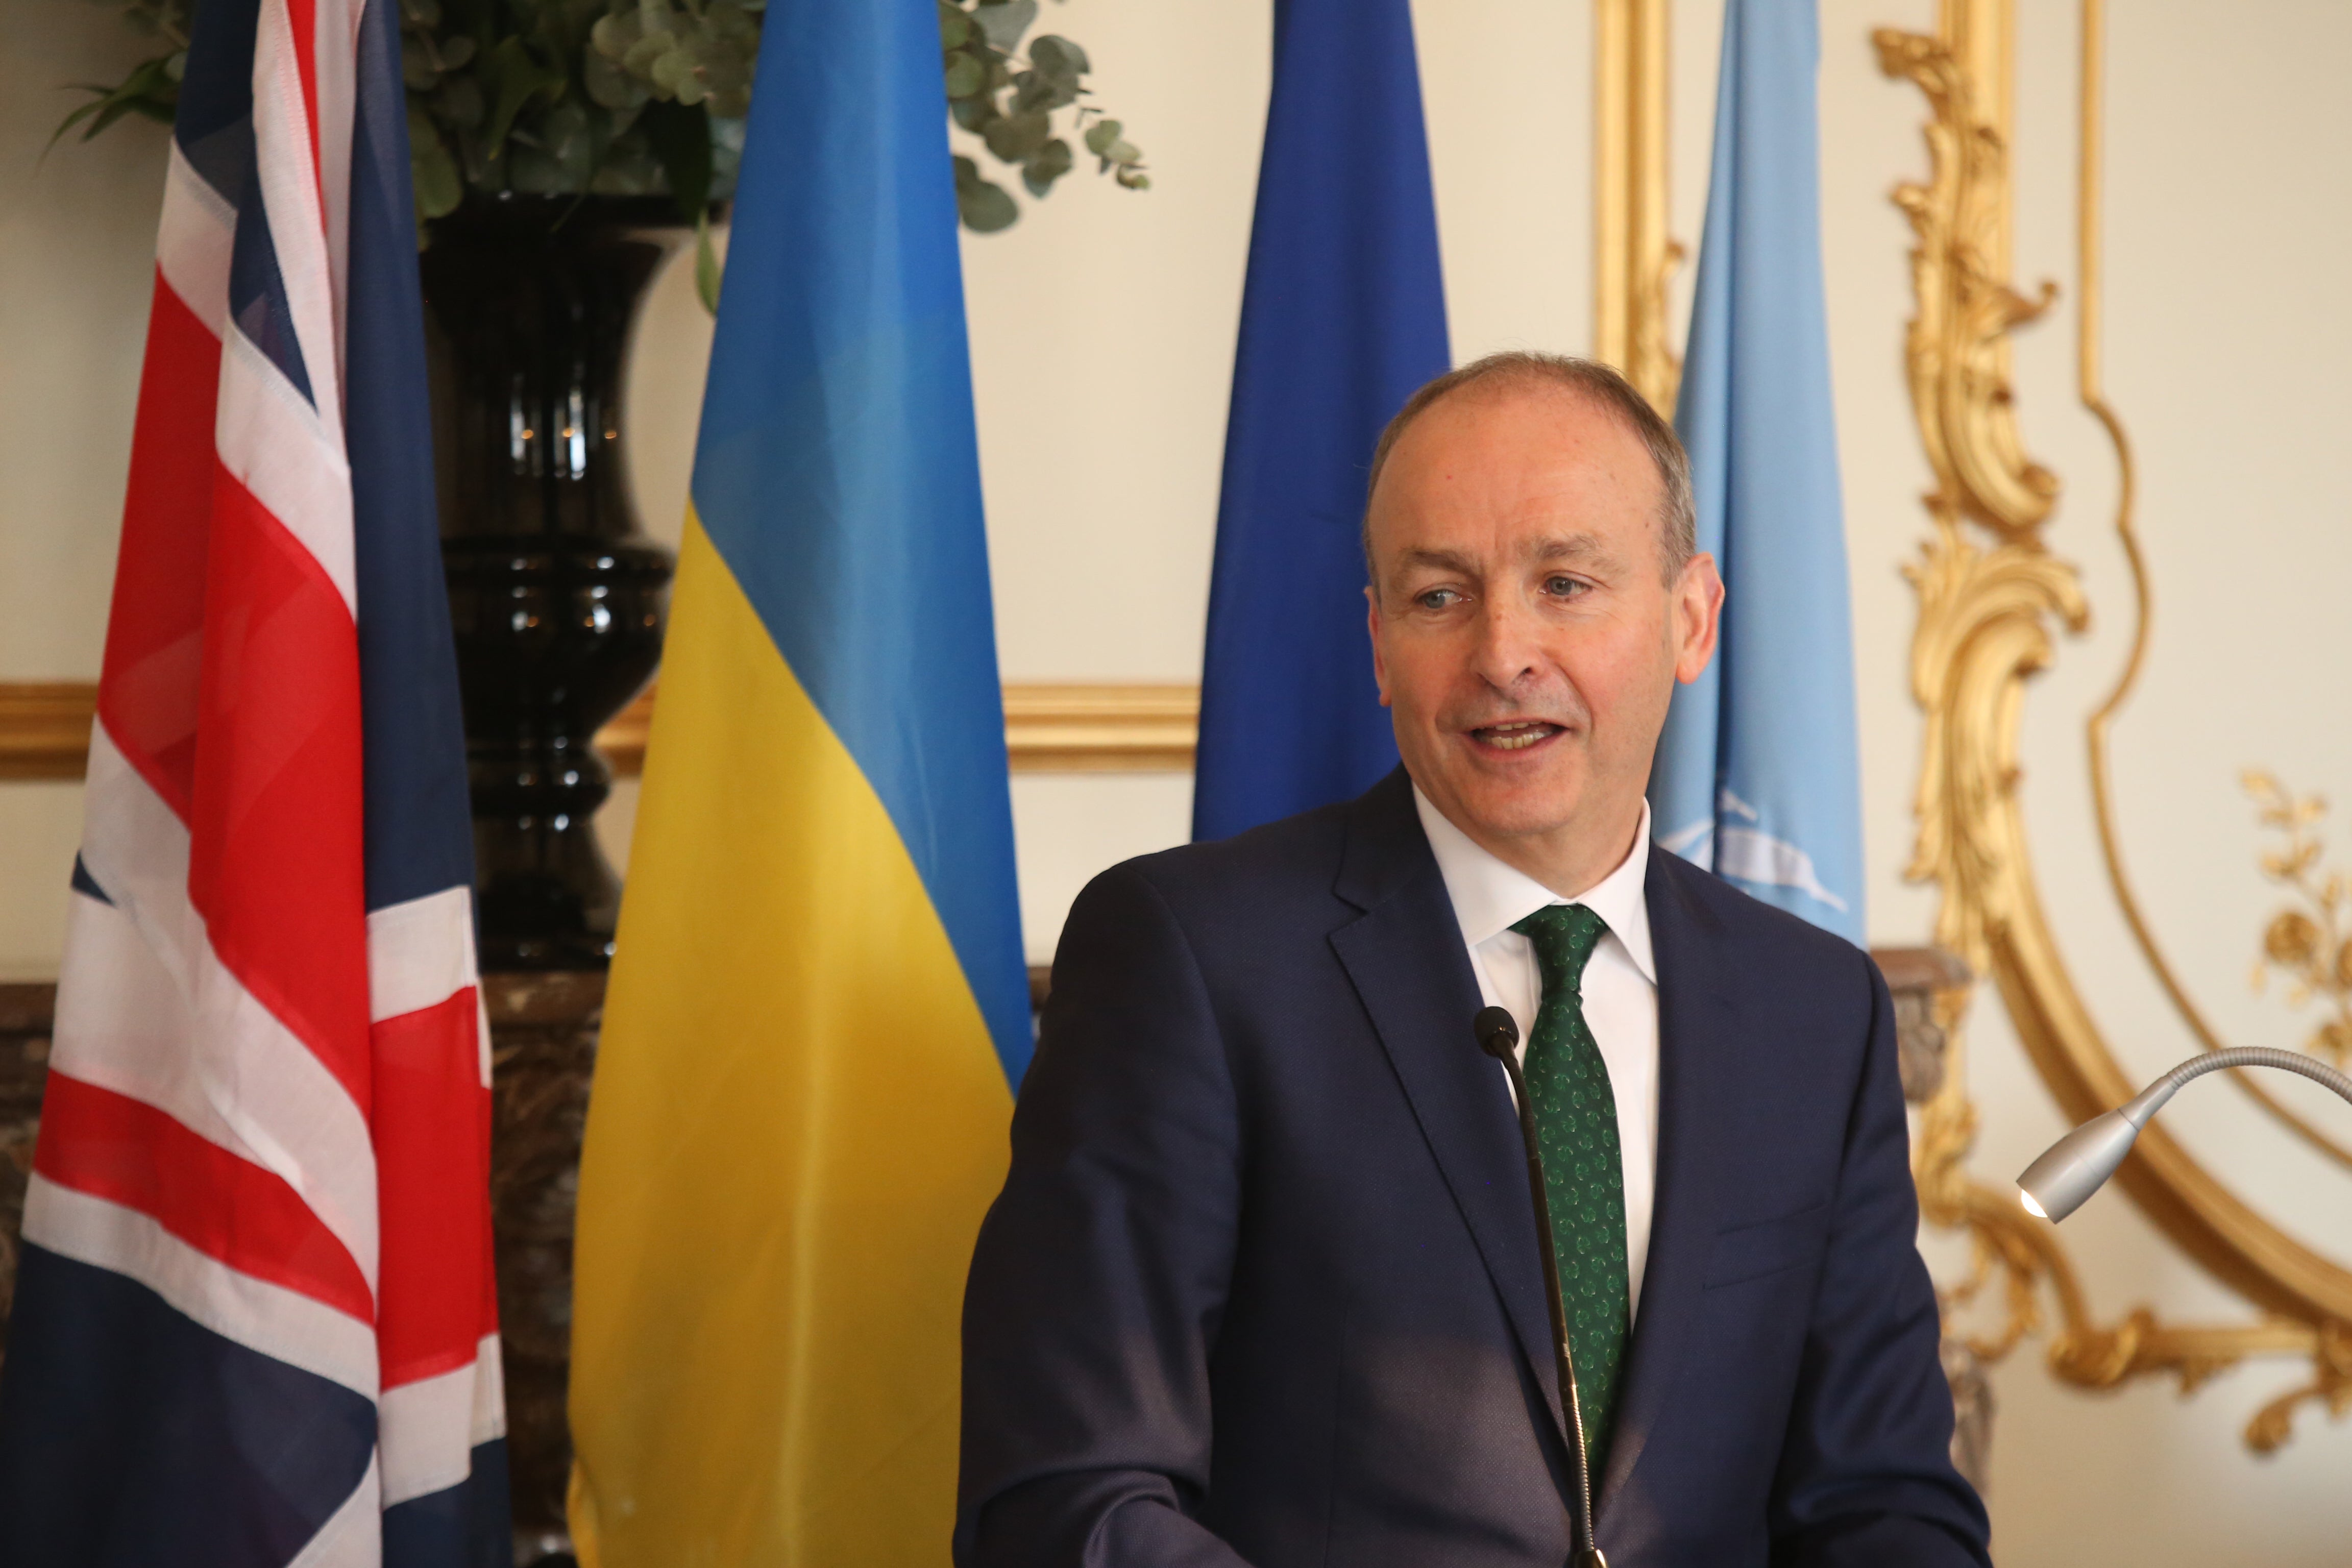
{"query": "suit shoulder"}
pixel 1293 856
pixel 1764 932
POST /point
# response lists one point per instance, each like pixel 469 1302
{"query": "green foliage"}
pixel 624 98
pixel 151 91
pixel 636 98
pixel 1009 102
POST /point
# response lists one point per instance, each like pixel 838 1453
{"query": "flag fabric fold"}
pixel 1343 316
pixel 256 1319
pixel 818 1005
pixel 1758 774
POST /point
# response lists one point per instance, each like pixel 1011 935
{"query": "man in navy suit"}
pixel 1264 1286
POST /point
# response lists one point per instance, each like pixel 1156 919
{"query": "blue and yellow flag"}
pixel 818 1008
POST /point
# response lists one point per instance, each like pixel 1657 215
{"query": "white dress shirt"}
pixel 1621 988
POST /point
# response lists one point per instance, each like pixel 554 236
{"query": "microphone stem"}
pixel 1587 1554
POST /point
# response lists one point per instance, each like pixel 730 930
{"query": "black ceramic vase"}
pixel 556 595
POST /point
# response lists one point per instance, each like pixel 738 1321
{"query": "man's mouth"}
pixel 1515 736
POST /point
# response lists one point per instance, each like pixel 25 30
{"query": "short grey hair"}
pixel 1678 514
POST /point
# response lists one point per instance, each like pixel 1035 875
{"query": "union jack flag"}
pixel 256 1320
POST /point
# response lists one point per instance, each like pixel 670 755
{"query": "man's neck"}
pixel 1570 859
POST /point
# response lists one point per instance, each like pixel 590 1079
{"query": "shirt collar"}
pixel 1489 897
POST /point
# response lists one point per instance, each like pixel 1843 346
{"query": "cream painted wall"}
pixel 1103 328
pixel 77 255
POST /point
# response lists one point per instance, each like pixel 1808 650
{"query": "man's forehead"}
pixel 1512 446
pixel 1545 465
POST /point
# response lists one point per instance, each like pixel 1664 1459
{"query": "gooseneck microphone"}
pixel 1498 1036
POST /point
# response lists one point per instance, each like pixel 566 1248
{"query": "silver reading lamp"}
pixel 2078 1164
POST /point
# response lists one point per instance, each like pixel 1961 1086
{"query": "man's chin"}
pixel 1516 808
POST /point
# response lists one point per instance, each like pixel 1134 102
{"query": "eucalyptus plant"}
pixel 647 97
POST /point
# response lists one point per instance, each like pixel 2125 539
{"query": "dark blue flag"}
pixel 1342 317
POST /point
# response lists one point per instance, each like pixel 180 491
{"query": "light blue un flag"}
pixel 1756 775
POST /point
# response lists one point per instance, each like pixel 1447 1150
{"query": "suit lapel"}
pixel 1407 962
pixel 1697 1039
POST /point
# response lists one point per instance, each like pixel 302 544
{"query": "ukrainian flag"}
pixel 818 1011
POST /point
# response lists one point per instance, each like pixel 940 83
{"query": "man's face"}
pixel 1524 632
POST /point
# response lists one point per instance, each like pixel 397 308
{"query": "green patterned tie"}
pixel 1584 1176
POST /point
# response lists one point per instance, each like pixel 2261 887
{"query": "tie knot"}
pixel 1564 936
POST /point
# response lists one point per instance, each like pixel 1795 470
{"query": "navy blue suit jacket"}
pixel 1263 1288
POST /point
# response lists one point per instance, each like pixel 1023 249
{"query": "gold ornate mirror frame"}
pixel 1991 597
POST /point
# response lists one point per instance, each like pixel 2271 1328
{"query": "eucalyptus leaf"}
pixel 1014 138
pixel 678 72
pixel 985 207
pixel 1050 162
pixel 1031 92
pixel 1004 23
pixel 966 74
pixel 608 84
pixel 612 35
pixel 954 27
pixel 1100 135
pixel 643 58
pixel 1059 56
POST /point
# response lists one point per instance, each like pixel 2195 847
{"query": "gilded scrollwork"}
pixel 1992 602
pixel 1958 350
pixel 2309 941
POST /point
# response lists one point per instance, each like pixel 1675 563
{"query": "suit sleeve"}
pixel 1866 1476
pixel 1102 1268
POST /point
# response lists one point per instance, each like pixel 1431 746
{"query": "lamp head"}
pixel 2077 1165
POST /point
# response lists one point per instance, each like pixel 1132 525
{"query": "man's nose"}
pixel 1505 653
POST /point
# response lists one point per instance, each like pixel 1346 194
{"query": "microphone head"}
pixel 1497 1032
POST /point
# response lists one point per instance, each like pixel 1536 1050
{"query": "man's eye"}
pixel 1565 588
pixel 1436 598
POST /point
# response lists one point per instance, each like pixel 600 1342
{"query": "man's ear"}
pixel 1698 617
pixel 1372 629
